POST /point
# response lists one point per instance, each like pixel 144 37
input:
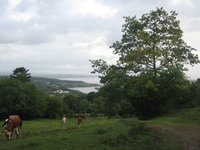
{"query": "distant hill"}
pixel 55 84
pixel 52 85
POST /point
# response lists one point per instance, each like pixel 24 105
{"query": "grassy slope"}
pixel 95 134
pixel 52 134
pixel 175 132
pixel 181 129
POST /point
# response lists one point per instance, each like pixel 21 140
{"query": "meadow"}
pixel 101 133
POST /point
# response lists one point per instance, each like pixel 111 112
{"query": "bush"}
pixel 191 115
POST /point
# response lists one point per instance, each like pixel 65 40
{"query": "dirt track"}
pixel 187 135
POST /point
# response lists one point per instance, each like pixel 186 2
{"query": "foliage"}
pixel 194 93
pixel 21 74
pixel 153 43
pixel 191 115
pixel 84 105
pixel 149 74
pixel 114 81
pixel 21 98
pixel 28 101
pixel 97 107
pixel 73 103
pixel 55 106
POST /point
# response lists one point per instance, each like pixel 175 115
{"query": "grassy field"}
pixel 164 133
pixel 94 134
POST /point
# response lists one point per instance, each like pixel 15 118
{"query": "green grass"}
pixel 94 134
pixel 191 115
pixel 162 133
pixel 181 130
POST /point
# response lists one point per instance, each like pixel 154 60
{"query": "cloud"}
pixel 93 8
pixel 185 2
pixel 62 36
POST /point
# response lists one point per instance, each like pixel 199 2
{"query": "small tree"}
pixel 21 74
pixel 85 105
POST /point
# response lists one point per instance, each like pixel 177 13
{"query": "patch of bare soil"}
pixel 187 135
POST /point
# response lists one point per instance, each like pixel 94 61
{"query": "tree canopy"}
pixel 153 43
pixel 21 74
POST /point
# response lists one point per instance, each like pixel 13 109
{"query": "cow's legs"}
pixel 17 132
pixel 9 134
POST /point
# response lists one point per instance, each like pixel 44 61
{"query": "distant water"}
pixel 85 89
pixel 92 79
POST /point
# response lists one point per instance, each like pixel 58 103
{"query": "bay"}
pixel 85 90
pixel 89 79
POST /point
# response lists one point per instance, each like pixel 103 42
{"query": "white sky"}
pixel 61 36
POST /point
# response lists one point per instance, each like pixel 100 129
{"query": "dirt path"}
pixel 187 135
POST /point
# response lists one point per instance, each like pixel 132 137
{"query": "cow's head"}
pixel 5 123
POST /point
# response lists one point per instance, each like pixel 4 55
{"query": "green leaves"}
pixel 149 73
pixel 153 42
pixel 21 74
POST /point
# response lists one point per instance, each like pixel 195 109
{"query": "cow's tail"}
pixel 20 124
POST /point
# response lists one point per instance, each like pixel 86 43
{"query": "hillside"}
pixel 52 85
pixel 172 132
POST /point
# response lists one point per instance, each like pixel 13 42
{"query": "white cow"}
pixel 64 119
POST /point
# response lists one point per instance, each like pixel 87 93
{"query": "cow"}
pixel 11 126
pixel 79 118
pixel 64 119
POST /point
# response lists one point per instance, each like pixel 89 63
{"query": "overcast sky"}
pixel 61 36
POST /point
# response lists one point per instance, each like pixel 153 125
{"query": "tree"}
pixel 21 74
pixel 99 102
pixel 153 43
pixel 114 81
pixel 152 55
pixel 73 102
pixel 55 107
pixel 91 96
pixel 85 105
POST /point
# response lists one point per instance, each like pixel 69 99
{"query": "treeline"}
pixel 140 97
pixel 18 95
pixel 30 102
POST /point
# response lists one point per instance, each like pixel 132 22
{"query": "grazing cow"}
pixel 80 118
pixel 11 126
pixel 64 119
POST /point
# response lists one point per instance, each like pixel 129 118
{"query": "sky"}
pixel 61 36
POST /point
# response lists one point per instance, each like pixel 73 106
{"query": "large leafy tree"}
pixel 152 57
pixel 153 43
pixel 21 74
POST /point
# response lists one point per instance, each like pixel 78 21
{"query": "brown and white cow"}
pixel 11 126
pixel 80 118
